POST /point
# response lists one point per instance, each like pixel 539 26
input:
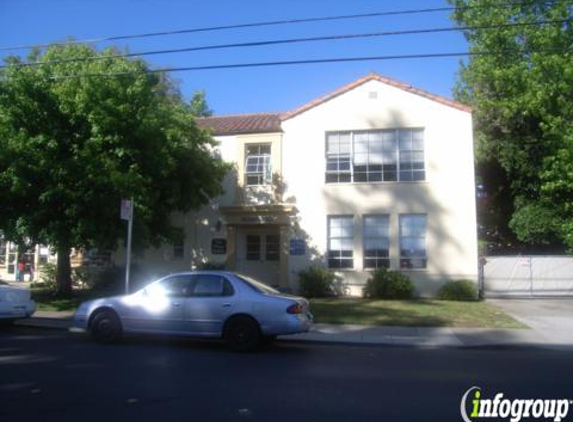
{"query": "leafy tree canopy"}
pixel 523 115
pixel 72 147
pixel 199 106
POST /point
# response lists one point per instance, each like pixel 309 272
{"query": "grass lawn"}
pixel 412 313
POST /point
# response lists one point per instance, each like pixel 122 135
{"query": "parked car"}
pixel 15 303
pixel 213 304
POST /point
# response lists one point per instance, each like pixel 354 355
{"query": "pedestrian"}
pixel 21 270
pixel 31 271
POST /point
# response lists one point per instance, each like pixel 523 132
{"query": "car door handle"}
pixel 175 304
pixel 226 305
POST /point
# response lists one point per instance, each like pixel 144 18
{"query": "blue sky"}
pixel 255 89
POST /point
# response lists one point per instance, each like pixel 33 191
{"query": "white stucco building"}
pixel 376 173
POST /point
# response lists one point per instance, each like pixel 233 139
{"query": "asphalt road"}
pixel 58 376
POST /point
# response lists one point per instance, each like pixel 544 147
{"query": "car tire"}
pixel 269 340
pixel 105 327
pixel 242 334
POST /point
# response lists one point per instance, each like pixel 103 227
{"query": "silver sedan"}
pixel 217 304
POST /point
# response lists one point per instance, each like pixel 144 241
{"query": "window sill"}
pixel 406 182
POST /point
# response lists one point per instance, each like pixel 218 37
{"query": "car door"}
pixel 160 307
pixel 212 299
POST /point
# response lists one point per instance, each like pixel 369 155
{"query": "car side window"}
pixel 176 286
pixel 209 285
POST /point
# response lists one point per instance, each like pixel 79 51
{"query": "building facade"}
pixel 377 173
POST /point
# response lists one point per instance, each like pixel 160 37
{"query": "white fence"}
pixel 528 276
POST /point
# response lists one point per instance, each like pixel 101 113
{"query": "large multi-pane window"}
pixel 376 241
pixel 258 164
pixel 375 156
pixel 340 241
pixel 413 241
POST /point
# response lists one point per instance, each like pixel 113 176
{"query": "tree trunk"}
pixel 64 272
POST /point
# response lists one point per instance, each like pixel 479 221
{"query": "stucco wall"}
pixel 447 195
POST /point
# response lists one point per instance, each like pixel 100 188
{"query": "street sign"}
pixel 126 212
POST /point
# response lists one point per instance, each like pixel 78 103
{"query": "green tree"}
pixel 72 147
pixel 199 106
pixel 523 116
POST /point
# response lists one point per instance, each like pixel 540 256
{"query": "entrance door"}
pixel 259 254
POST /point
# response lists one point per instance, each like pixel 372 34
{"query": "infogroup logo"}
pixel 514 409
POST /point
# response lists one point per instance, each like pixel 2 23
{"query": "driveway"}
pixel 552 319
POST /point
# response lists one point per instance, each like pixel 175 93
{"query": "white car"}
pixel 216 304
pixel 15 303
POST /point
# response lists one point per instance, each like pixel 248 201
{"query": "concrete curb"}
pixel 357 335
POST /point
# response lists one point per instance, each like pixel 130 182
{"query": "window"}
pixel 413 241
pixel 272 250
pixel 258 164
pixel 340 242
pixel 411 155
pixel 207 285
pixel 178 250
pixel 177 286
pixel 338 158
pixel 375 156
pixel 253 247
pixel 376 241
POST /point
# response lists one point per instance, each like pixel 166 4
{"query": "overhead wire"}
pixel 268 23
pixel 310 61
pixel 289 41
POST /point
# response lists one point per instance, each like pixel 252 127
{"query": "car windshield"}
pixel 257 285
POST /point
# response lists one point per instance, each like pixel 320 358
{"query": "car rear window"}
pixel 257 285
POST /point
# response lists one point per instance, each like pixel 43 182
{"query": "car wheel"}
pixel 268 340
pixel 242 334
pixel 106 327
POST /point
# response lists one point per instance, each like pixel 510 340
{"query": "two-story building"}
pixel 376 173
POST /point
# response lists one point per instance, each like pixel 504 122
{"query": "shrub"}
pixel 388 284
pixel 316 282
pixel 463 290
pixel 47 277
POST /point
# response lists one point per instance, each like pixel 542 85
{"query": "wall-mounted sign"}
pixel 297 247
pixel 219 246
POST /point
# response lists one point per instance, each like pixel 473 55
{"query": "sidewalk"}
pixel 430 337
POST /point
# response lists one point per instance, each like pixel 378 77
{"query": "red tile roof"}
pixel 235 124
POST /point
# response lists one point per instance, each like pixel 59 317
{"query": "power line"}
pixel 268 23
pixel 288 41
pixel 313 61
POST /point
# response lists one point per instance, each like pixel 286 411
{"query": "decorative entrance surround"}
pixel 256 217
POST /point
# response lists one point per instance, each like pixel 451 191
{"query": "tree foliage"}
pixel 72 147
pixel 523 116
pixel 199 106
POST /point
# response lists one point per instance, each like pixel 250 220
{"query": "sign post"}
pixel 127 214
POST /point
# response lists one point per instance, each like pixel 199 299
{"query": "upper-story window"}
pixel 258 164
pixel 375 156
